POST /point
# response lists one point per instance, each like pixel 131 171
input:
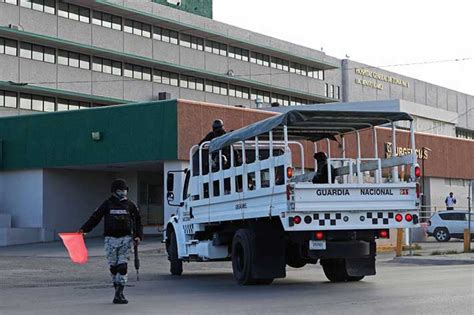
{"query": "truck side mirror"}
pixel 170 183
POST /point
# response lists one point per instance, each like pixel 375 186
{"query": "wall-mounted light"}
pixel 96 135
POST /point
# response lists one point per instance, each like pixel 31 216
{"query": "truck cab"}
pixel 250 196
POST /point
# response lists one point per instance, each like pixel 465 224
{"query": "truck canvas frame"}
pixel 249 197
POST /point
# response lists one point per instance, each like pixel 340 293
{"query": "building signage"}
pixel 420 153
pixel 379 77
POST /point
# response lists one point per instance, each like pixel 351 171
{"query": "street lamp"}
pixel 423 200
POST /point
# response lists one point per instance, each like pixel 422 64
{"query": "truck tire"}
pixel 176 264
pixel 293 257
pixel 242 256
pixel 335 270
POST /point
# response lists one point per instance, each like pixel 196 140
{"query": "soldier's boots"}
pixel 119 298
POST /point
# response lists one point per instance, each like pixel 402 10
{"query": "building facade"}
pixel 62 55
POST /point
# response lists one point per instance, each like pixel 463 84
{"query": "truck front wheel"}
pixel 176 264
pixel 335 270
pixel 242 256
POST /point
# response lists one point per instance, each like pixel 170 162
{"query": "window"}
pixel 216 87
pixel 216 48
pixel 315 73
pixel 71 59
pixel 295 101
pixel 37 103
pixel 46 6
pixel 280 99
pixel 15 2
pixel 137 28
pixel 192 42
pixel 261 95
pixel 260 59
pixel 192 83
pixel 280 64
pixel 298 68
pixel 464 133
pixel 137 72
pixel 64 104
pixel 7 99
pixel 338 92
pixel 238 53
pixel 165 35
pixel 453 216
pixel 107 20
pixel 326 90
pixel 37 52
pixel 165 77
pixel 107 66
pixel 8 47
pixel 239 91
pixel 331 91
pixel 74 12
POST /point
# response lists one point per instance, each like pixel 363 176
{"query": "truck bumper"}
pixel 345 249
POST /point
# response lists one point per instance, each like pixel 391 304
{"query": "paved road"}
pixel 41 280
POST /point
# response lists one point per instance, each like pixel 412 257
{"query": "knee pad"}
pixel 122 269
pixel 114 270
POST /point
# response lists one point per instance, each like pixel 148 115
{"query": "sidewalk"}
pixel 436 253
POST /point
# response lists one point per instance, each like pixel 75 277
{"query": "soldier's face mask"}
pixel 121 193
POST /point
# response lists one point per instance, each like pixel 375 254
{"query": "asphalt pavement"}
pixel 40 279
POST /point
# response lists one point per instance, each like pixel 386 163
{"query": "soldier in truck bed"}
pixel 321 176
pixel 121 222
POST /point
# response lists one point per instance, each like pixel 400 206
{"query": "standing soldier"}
pixel 121 222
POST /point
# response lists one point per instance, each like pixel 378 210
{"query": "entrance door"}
pixel 151 204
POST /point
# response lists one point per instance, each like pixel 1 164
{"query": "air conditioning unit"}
pixel 14 26
pixel 164 96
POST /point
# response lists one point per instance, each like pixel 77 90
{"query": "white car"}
pixel 446 224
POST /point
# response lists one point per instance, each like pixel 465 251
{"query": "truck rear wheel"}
pixel 176 264
pixel 335 270
pixel 242 256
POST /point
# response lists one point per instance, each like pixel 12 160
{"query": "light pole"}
pixel 423 200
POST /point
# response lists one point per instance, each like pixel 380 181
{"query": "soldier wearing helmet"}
pixel 217 131
pixel 122 226
pixel 321 176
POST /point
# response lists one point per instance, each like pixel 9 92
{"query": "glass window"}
pixel 10 47
pixel 331 91
pixel 47 6
pixel 326 90
pixel 38 53
pixel 238 53
pixel 107 66
pixel 137 28
pixel 216 48
pixel 2 99
pixel 10 99
pixel 15 2
pixel 25 50
pixel 25 101
pixel 62 105
pixel 84 62
pixel 37 104
pixel 49 104
pixel 49 55
pixel 260 59
pixel 110 21
pixel 63 57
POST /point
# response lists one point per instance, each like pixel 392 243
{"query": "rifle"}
pixel 137 260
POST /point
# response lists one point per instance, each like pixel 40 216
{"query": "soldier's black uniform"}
pixel 121 222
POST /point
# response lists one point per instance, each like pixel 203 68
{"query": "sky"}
pixel 428 35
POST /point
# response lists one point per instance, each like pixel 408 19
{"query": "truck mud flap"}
pixel 356 267
pixel 269 258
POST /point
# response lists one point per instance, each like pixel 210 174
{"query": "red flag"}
pixel 76 247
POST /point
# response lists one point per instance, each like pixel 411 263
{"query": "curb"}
pixel 431 261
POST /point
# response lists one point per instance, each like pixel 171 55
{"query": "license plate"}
pixel 317 245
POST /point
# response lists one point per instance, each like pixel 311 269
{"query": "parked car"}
pixel 445 225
